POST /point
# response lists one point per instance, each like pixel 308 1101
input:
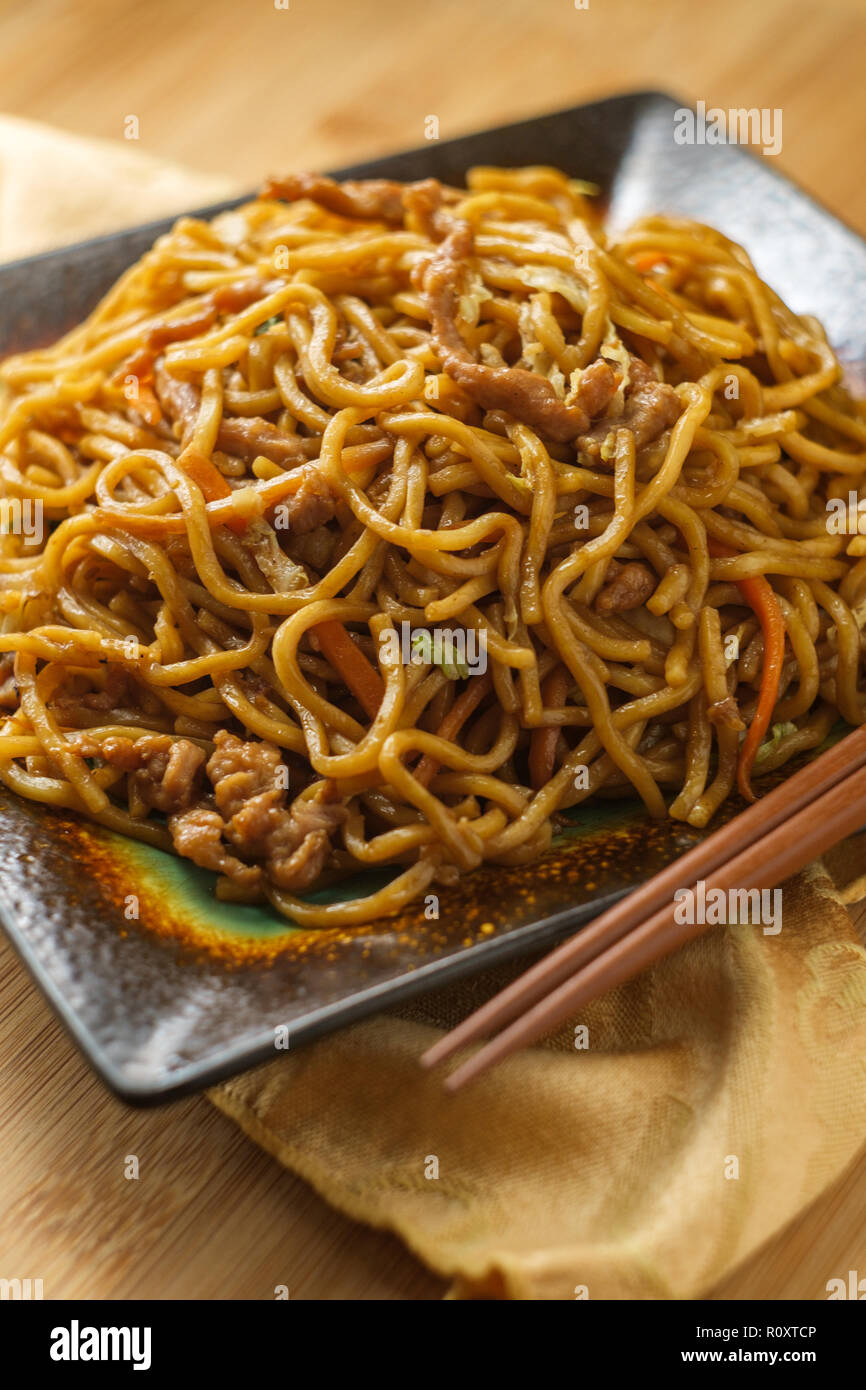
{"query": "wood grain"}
pixel 248 89
pixel 245 90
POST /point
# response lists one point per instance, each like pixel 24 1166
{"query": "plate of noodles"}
pixel 399 566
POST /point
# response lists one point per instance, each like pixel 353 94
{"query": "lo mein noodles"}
pixel 373 525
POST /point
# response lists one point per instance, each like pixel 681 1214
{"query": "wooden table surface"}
pixel 249 88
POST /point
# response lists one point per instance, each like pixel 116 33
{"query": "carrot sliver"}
pixel 148 406
pixel 356 459
pixel 205 474
pixel 759 593
pixel 542 745
pixel 760 596
pixel 645 261
pixel 351 665
pixel 463 707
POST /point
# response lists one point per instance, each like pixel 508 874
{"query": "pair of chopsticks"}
pixel 765 844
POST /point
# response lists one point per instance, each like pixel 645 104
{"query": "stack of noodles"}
pixel 341 413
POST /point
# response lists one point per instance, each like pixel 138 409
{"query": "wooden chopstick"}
pixel 763 864
pixel 758 819
pixel 759 822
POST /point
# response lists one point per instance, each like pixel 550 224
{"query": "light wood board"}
pixel 248 89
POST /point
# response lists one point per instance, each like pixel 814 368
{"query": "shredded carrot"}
pixel 759 594
pixel 147 405
pixel 205 474
pixel 351 665
pixel 542 745
pixel 645 261
pixel 451 725
pixel 166 331
pixel 356 459
pixel 140 365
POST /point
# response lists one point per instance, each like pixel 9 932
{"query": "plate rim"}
pixel 258 1049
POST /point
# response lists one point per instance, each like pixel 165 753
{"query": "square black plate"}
pixel 192 992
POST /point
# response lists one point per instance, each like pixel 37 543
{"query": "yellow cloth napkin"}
pixel 721 1091
pixel 56 188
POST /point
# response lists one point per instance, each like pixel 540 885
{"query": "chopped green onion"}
pixel 584 186
pixel 268 323
pixel 777 733
pixel 423 647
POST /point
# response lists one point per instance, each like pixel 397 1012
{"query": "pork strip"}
pixel 527 396
pixel 244 436
pixel 197 835
pixel 380 199
pixel 651 406
pixel 630 587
